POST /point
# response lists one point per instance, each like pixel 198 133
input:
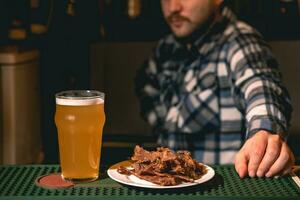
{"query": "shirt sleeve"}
pixel 257 87
pixel 147 89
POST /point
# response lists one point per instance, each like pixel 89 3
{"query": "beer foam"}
pixel 79 102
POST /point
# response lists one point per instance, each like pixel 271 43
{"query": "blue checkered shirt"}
pixel 211 95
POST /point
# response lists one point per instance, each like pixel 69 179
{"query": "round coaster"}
pixel 53 181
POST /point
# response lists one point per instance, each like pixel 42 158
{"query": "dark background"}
pixel 66 46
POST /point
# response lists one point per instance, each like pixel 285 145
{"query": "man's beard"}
pixel 202 29
pixel 176 17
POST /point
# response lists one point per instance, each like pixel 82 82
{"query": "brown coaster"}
pixel 53 181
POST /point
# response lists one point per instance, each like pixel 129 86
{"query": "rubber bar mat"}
pixel 18 182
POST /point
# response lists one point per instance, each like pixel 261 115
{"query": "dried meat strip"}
pixel 164 167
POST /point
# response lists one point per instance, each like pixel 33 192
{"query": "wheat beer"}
pixel 79 119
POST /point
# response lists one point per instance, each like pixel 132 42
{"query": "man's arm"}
pixel 147 89
pixel 260 95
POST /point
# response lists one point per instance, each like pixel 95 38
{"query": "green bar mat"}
pixel 18 182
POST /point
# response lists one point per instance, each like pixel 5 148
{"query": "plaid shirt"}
pixel 211 95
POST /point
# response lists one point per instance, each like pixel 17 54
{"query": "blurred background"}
pixel 47 46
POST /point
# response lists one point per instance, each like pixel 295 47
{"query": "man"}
pixel 213 87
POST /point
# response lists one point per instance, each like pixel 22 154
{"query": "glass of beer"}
pixel 79 119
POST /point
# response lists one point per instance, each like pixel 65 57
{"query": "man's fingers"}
pixel 264 154
pixel 257 152
pixel 241 164
pixel 283 162
pixel 271 155
pixel 290 164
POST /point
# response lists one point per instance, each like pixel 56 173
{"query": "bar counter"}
pixel 18 182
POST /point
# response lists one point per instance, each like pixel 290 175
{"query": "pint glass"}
pixel 79 119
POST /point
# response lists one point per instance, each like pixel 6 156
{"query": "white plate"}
pixel 135 181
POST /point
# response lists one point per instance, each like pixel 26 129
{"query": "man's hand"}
pixel 264 154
